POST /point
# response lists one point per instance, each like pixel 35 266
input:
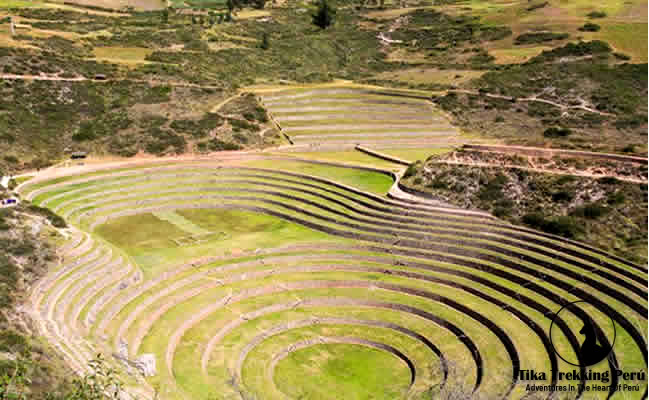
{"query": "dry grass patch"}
pixel 431 76
pixel 141 5
pixel 122 55
pixel 516 55
pixel 627 38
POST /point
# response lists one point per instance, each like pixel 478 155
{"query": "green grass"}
pixel 19 4
pixel 369 181
pixel 181 222
pixel 240 228
pixel 358 372
pixel 176 185
pixel 149 240
pixel 627 38
pixel 516 55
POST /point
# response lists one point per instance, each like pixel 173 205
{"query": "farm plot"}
pixel 312 277
pixel 341 117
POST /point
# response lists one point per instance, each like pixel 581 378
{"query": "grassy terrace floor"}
pixel 245 278
pixel 348 115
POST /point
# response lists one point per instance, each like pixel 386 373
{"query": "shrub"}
pixel 86 132
pixel 324 16
pixel 578 49
pixel 197 128
pixel 438 183
pixel 621 56
pixel 563 226
pixel 499 118
pixel 563 196
pixel 596 14
pixel 492 33
pixel 162 139
pixel 630 121
pixel 157 94
pixel 240 124
pixel 555 132
pixel 4 224
pixel 240 138
pixel 629 148
pixel 537 6
pixel 503 208
pixel 493 189
pixel 217 144
pixel 8 272
pixel 411 170
pixel 13 342
pixel 589 27
pixel 539 37
pixel 616 198
pixel 608 180
pixel 265 42
pixel 590 211
pixel 54 219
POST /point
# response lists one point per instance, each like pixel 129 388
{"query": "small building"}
pixel 78 155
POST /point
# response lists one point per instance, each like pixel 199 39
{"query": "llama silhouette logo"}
pixel 596 334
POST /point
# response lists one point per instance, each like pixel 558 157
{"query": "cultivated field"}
pixel 342 117
pixel 243 277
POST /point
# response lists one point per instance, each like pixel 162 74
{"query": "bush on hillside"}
pixel 556 132
pixel 539 37
pixel 590 211
pixel 589 27
pixel 596 14
pixel 412 169
pixel 54 219
pixel 563 226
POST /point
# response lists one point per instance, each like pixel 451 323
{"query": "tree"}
pixel 325 14
pixel 259 4
pixel 232 5
pixel 265 41
pixel 165 15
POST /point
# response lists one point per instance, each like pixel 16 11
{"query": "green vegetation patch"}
pixel 155 243
pixel 539 37
pixel 355 371
pixel 371 181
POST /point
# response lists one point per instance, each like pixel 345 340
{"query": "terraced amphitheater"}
pixel 343 116
pixel 265 278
